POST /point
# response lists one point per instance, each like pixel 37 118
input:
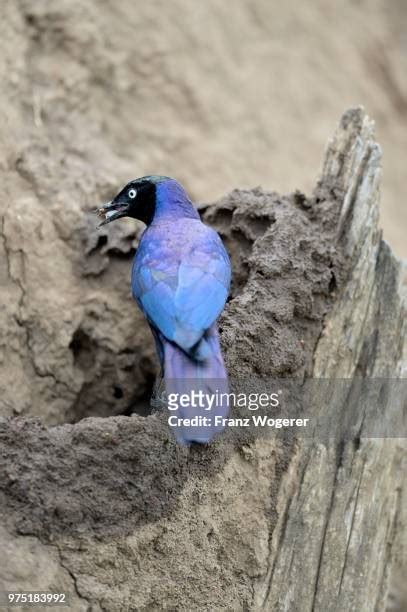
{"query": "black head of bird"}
pixel 137 199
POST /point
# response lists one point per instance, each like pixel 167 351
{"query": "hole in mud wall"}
pixel 117 392
pixel 102 241
pixel 239 249
pixel 82 348
pixel 142 406
pixel 113 383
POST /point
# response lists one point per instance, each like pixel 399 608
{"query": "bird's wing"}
pixel 182 293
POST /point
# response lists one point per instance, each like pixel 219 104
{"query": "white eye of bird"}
pixel 132 193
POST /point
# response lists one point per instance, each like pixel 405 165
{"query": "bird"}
pixel 180 279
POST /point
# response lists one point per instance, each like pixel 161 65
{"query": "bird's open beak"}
pixel 111 211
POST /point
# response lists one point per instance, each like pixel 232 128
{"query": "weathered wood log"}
pixel 117 515
pixel 341 535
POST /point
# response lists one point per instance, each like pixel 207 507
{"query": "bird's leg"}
pixel 158 398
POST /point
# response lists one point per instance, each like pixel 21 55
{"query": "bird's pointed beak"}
pixel 111 211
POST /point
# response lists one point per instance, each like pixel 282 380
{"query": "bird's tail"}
pixel 197 389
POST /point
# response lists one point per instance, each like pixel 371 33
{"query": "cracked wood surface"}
pixel 340 540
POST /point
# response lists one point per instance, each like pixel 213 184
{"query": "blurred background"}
pixel 217 94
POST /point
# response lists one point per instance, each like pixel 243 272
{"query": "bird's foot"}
pixel 158 399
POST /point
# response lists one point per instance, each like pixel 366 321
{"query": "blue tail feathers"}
pixel 196 389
